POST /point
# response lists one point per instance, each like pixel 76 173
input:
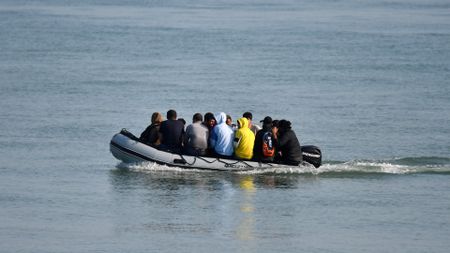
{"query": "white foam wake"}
pixel 357 166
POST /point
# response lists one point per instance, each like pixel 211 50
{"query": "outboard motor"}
pixel 128 134
pixel 312 155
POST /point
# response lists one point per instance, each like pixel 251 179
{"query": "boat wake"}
pixel 408 165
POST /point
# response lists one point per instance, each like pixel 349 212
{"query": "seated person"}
pixel 172 133
pixel 244 140
pixel 230 123
pixel 196 137
pixel 265 143
pixel 221 137
pixel 254 128
pixel 210 121
pixel 182 121
pixel 150 136
pixel 288 144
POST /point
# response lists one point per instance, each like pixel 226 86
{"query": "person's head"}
pixel 221 118
pixel 171 114
pixel 275 123
pixel 229 120
pixel 284 125
pixel 243 122
pixel 210 120
pixel 197 117
pixel 249 116
pixel 182 121
pixel 267 122
pixel 156 118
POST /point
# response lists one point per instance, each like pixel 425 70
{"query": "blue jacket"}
pixel 222 136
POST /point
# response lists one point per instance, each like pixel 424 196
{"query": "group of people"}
pixel 217 136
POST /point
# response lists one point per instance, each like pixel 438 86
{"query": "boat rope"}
pixel 234 163
pixel 195 159
pixel 244 162
pixel 201 158
pixel 210 162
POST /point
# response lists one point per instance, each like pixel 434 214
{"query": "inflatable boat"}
pixel 127 148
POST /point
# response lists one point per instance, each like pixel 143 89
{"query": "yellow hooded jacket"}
pixel 244 140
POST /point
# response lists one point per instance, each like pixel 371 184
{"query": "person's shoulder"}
pixel 163 124
pixel 177 123
pixel 201 126
pixel 257 127
pixel 189 127
pixel 260 133
pixel 291 134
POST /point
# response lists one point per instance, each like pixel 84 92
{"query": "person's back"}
pixel 196 137
pixel 288 144
pixel 150 136
pixel 221 138
pixel 244 140
pixel 172 131
pixel 264 149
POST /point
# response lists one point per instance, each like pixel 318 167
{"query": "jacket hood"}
pixel 221 118
pixel 243 122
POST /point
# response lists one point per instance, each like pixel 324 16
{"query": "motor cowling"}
pixel 312 154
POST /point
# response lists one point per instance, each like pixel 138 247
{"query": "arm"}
pixel 185 136
pixel 212 139
pixel 237 140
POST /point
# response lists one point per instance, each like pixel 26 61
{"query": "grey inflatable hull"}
pixel 129 150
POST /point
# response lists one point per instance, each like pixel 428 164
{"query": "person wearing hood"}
pixel 221 138
pixel 288 144
pixel 244 140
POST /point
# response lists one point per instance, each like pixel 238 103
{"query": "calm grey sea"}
pixel 367 81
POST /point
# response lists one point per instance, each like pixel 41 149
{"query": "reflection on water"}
pixel 124 178
pixel 247 184
pixel 193 203
pixel 246 225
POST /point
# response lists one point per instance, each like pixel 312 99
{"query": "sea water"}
pixel 366 81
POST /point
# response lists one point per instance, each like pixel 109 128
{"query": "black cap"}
pixel 267 120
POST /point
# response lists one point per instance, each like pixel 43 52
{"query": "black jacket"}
pixel 258 149
pixel 172 134
pixel 291 151
pixel 150 136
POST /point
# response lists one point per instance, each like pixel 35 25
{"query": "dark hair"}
pixel 171 114
pixel 209 116
pixel 284 124
pixel 275 123
pixel 197 117
pixel 182 121
pixel 248 115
